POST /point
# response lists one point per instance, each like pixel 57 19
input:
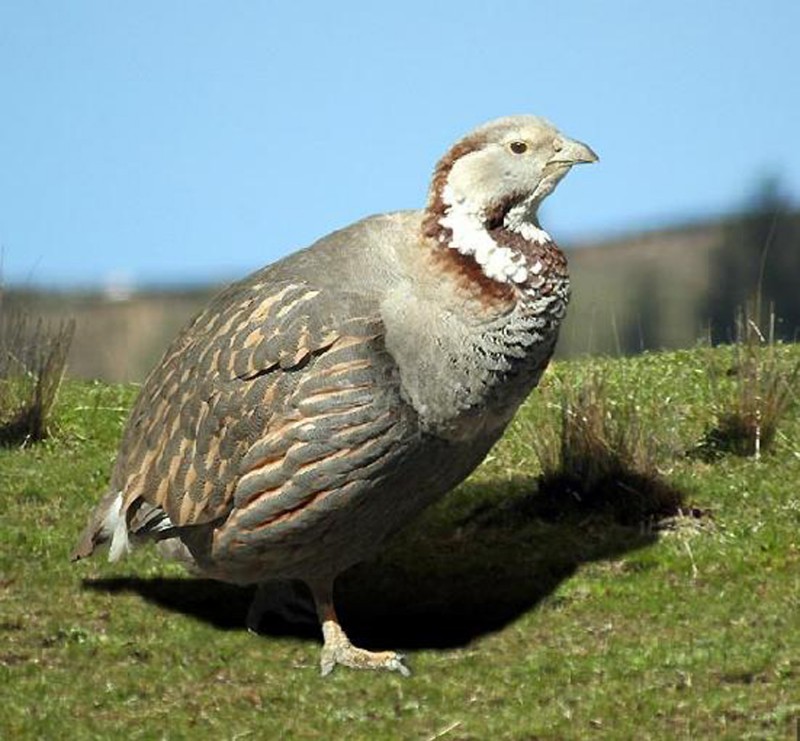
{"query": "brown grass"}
pixel 604 456
pixel 33 357
pixel 762 392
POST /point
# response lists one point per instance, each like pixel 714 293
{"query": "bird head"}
pixel 496 177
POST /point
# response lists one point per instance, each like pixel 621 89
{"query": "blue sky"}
pixel 172 141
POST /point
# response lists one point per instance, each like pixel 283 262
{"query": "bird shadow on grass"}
pixel 464 569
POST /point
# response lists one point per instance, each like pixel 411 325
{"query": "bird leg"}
pixel 283 599
pixel 337 648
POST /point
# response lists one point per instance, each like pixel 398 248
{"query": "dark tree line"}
pixel 758 263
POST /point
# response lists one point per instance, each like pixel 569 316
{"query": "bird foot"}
pixel 339 650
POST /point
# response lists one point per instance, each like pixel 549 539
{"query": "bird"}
pixel 316 406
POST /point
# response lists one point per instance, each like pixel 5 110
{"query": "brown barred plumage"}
pixel 316 406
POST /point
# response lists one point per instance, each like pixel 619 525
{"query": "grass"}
pixel 603 455
pixel 33 355
pixel 763 390
pixel 517 625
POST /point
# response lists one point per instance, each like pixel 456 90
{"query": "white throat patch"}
pixel 515 221
pixel 469 237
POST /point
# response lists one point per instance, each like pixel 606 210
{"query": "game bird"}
pixel 318 405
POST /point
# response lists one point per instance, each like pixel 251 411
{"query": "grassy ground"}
pixel 517 625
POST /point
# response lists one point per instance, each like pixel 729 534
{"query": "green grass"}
pixel 517 626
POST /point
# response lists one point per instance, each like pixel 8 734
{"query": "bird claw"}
pixel 358 658
pixel 339 650
pixel 397 665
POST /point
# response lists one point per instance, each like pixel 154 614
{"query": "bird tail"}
pixel 108 522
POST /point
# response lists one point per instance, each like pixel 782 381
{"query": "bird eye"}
pixel 518 147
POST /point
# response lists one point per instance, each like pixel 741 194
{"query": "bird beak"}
pixel 574 152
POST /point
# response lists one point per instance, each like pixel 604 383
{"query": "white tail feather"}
pixel 116 525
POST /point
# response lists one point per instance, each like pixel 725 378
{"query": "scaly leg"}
pixel 338 649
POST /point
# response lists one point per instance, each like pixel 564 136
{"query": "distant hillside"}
pixel 658 289
pixel 639 292
pixel 115 339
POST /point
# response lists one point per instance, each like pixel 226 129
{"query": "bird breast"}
pixel 469 349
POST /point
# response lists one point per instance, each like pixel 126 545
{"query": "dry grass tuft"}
pixel 604 456
pixel 750 411
pixel 33 358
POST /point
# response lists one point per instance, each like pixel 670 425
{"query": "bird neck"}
pixel 497 252
pixel 523 219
